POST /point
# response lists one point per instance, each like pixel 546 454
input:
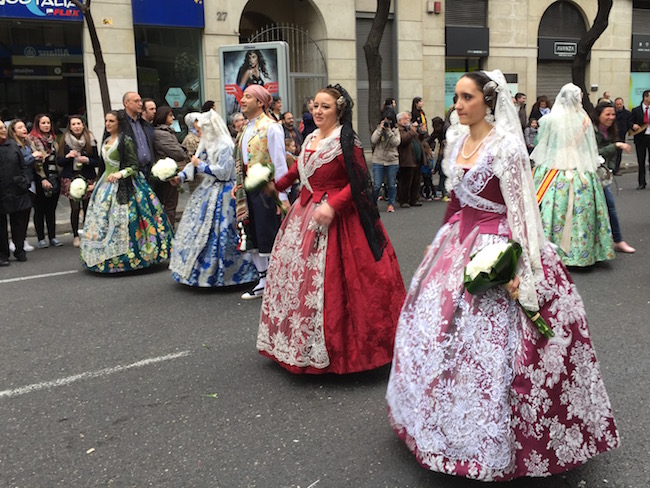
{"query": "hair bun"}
pixel 490 91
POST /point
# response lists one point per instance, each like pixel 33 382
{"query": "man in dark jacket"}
pixel 623 125
pixel 15 179
pixel 642 139
pixel 411 157
pixel 139 131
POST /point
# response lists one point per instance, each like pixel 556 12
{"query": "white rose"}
pixel 484 260
pixel 164 169
pixel 257 176
pixel 78 188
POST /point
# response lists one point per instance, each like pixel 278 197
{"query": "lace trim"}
pixel 292 324
pixel 310 161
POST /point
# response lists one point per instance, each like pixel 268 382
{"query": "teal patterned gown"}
pixel 124 237
pixel 576 202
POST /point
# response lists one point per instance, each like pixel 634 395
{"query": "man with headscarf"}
pixel 261 142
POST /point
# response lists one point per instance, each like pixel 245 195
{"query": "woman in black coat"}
pixel 15 179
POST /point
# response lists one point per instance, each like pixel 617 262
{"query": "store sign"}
pixel 467 41
pixel 40 9
pixel 640 46
pixel 557 49
pixel 175 97
pixel 565 48
pixel 47 51
pixel 168 13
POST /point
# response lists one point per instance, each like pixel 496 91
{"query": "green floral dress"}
pixel 574 215
pixel 124 237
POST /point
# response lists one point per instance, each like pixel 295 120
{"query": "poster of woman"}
pixel 242 65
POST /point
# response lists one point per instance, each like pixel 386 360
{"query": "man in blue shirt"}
pixel 137 130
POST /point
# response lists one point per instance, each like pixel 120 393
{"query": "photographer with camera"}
pixel 46 179
pixel 411 158
pixel 385 158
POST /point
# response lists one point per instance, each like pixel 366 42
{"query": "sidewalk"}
pixel 628 165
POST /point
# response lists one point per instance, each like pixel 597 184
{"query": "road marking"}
pixel 88 375
pixel 35 277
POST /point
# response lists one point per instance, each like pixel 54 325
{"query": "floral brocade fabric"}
pixel 328 306
pixel 125 237
pixel 475 390
pixel 590 237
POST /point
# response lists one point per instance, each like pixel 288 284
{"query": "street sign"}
pixel 175 97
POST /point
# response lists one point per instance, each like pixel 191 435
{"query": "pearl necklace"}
pixel 462 151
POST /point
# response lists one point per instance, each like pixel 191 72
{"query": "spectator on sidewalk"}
pixel 623 124
pixel 291 132
pixel 46 178
pixel 411 158
pixel 385 157
pixel 18 132
pixel 139 131
pixel 166 145
pixel 14 197
pixel 78 157
pixel 520 105
pixel 642 138
pixel 191 143
pixel 237 121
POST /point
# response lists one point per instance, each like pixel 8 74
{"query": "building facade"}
pixel 169 49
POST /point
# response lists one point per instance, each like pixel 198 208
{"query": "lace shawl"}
pixel 328 149
pixel 511 165
pixel 566 138
pixel 509 161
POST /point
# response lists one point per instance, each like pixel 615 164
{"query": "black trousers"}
pixel 408 185
pixel 17 221
pixel 45 213
pixel 642 145
pixel 264 221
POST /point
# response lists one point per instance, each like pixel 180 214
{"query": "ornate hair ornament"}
pixel 490 92
pixel 340 103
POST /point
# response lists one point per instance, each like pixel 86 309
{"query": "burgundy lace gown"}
pixel 328 306
pixel 475 390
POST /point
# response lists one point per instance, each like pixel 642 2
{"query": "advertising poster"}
pixel 264 63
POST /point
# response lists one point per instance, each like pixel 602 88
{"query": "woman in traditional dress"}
pixel 47 181
pixel 603 117
pixel 475 389
pixel 334 288
pixel 569 193
pixel 125 228
pixel 77 156
pixel 205 250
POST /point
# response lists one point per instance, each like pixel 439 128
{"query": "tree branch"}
pixel 373 61
pixel 579 67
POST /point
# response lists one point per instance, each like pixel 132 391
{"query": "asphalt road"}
pixel 136 381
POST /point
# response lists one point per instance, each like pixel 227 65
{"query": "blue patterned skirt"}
pixel 205 247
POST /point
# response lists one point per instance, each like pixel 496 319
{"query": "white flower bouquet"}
pixel 164 169
pixel 78 188
pixel 257 177
pixel 495 265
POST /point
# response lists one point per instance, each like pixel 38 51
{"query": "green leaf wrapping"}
pixel 502 272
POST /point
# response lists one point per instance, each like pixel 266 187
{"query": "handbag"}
pixel 605 175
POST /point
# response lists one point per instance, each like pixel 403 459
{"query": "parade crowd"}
pixel 477 387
